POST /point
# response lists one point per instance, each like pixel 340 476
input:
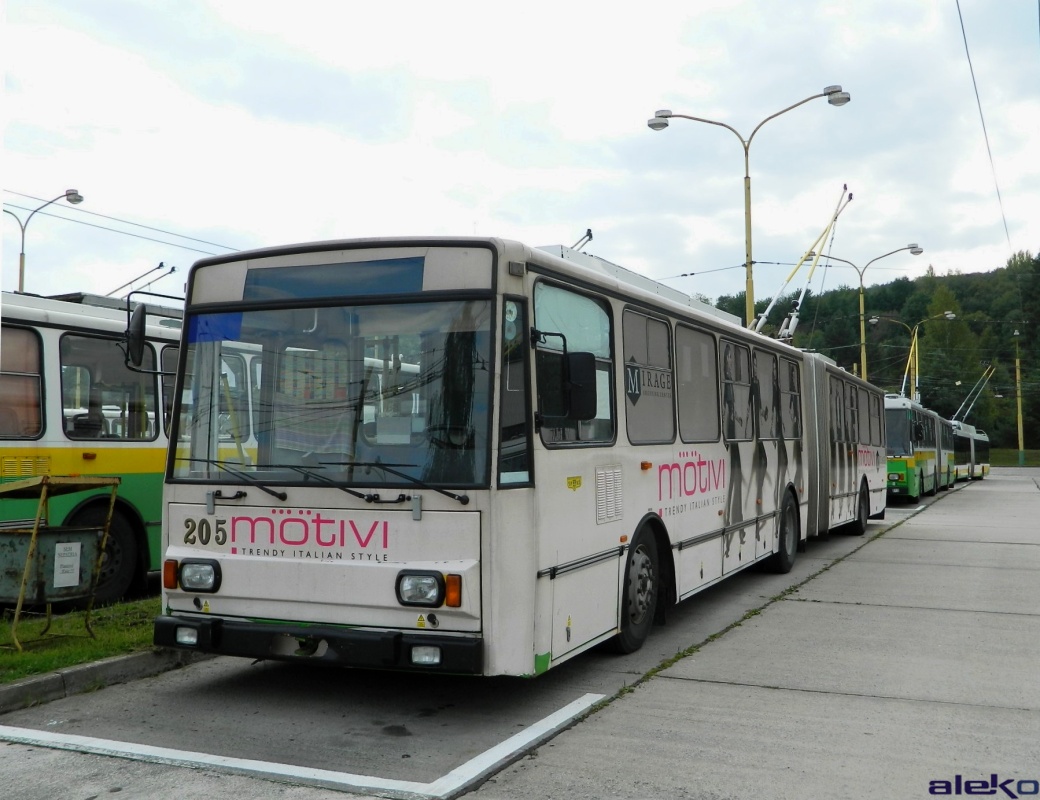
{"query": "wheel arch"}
pixel 133 518
pixel 654 526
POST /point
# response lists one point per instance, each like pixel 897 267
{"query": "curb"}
pixel 41 689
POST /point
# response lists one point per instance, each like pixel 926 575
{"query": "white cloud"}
pixel 250 124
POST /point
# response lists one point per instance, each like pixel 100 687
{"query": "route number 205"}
pixel 202 531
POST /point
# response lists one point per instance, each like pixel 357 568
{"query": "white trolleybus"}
pixel 472 456
pixel 972 449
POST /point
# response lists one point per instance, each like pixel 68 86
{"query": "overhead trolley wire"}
pixel 985 133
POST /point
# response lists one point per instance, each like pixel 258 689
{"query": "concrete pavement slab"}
pixel 943 585
pixel 890 549
pixel 677 738
pixel 876 651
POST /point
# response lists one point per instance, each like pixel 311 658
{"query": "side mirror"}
pixel 580 382
pixel 135 335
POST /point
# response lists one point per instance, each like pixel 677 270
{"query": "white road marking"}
pixel 460 777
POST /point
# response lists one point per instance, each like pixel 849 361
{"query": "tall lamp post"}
pixel 913 364
pixel 1018 400
pixel 914 250
pixel 71 195
pixel 835 96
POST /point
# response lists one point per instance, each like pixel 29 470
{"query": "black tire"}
pixel 787 533
pixel 639 594
pixel 859 525
pixel 935 485
pixel 119 562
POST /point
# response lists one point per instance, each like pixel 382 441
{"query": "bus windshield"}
pixel 353 395
pixel 897 422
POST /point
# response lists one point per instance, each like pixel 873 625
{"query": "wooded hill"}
pixel 953 354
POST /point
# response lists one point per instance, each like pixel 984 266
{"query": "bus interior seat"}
pixel 92 424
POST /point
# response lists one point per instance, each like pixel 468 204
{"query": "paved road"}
pixel 911 663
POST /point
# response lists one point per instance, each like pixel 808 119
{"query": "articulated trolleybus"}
pixel 922 456
pixel 472 456
pixel 972 451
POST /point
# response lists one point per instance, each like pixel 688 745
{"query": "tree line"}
pixel 997 316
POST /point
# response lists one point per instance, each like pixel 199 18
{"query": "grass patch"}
pixel 118 630
pixel 1001 457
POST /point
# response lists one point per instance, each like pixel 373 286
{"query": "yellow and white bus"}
pixel 69 405
pixel 972 447
pixel 473 456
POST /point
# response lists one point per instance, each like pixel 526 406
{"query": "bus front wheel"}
pixel 119 559
pixel 639 594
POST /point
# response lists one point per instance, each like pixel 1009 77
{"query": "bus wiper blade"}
pixel 310 473
pixel 239 474
pixel 461 498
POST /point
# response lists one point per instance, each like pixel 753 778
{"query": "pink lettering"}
pixel 319 520
pixel 363 542
pixel 252 523
pixel 690 477
pixel 290 523
pixel 298 531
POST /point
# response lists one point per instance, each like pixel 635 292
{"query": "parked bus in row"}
pixel 69 405
pixel 472 456
pixel 972 447
pixel 921 449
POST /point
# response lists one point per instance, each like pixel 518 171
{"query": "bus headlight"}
pixel 420 589
pixel 895 477
pixel 200 576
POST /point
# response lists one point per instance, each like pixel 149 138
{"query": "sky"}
pixel 199 127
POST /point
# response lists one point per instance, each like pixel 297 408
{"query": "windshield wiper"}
pixel 309 472
pixel 461 498
pixel 238 474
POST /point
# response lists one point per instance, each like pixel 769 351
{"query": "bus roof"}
pixel 635 279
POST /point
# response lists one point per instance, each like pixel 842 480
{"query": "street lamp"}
pixel 1018 400
pixel 835 96
pixel 71 195
pixel 913 363
pixel 914 250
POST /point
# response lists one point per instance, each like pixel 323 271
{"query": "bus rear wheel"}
pixel 859 526
pixel 787 535
pixel 119 559
pixel 639 594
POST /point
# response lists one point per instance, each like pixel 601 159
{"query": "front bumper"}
pixel 328 644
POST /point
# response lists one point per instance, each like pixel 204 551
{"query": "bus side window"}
pixel 21 394
pixel 852 413
pixel 584 323
pixel 791 404
pixel 697 379
pixel 514 462
pixel 736 392
pixel 650 401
